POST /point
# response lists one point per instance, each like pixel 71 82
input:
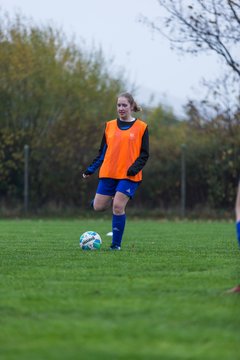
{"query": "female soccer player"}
pixel 122 155
pixel 237 211
pixel 236 289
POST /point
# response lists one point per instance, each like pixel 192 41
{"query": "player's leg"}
pixel 118 219
pixel 125 190
pixel 102 202
pixel 236 289
pixel 104 194
pixel 237 211
pixel 119 203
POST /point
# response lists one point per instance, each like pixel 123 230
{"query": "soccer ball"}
pixel 90 240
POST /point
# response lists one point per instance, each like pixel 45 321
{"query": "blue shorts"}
pixel 109 187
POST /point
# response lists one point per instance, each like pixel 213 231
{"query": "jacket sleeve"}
pixel 140 162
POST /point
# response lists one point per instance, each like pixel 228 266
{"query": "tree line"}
pixel 55 97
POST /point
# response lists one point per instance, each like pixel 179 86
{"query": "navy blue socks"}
pixel 238 232
pixel 118 225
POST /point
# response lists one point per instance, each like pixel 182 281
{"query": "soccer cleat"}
pixel 236 289
pixel 115 247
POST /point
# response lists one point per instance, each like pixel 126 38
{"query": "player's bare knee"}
pixel 118 209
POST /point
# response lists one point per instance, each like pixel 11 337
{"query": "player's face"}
pixel 124 108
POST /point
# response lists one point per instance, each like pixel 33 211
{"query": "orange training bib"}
pixel 123 148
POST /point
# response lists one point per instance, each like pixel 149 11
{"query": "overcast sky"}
pixel 145 57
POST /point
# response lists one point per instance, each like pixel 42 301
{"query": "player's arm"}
pixel 237 207
pixel 237 210
pixel 97 162
pixel 140 162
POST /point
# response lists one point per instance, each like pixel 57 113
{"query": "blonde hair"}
pixel 131 101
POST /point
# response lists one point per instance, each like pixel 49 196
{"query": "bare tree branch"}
pixel 200 26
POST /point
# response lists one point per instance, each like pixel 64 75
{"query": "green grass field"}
pixel 163 296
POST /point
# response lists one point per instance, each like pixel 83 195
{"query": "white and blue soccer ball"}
pixel 90 240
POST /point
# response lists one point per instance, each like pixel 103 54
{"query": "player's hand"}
pixel 86 174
